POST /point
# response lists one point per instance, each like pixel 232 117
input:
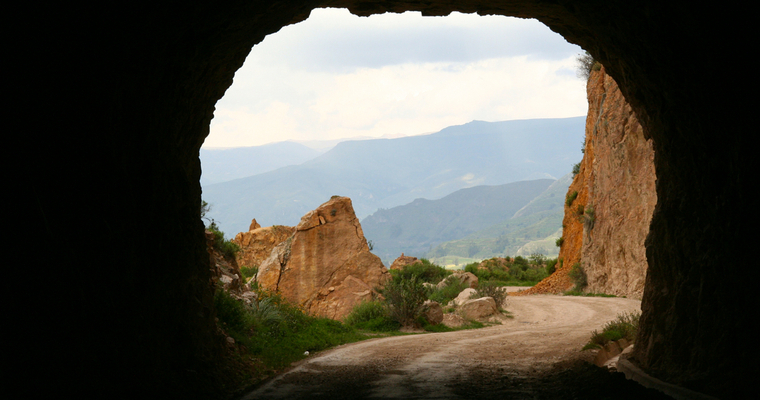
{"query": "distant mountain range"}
pixel 532 229
pixel 221 165
pixel 418 227
pixel 384 173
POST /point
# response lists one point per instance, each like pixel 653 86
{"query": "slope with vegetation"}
pixel 417 227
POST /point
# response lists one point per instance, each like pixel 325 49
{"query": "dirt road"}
pixel 536 354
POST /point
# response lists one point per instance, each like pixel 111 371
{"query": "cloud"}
pixel 309 89
pixel 336 41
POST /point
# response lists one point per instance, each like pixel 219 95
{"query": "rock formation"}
pixel 402 261
pixel 610 202
pixel 257 244
pixel 325 266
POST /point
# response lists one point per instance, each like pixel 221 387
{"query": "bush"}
pixel 589 218
pixel 578 276
pixel 490 289
pixel 551 265
pixel 404 299
pixel 576 169
pixel 372 316
pixel 448 292
pixel 586 64
pixel 559 241
pixel 228 248
pixel 424 271
pixel 625 326
pixel 571 198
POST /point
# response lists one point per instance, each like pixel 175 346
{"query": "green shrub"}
pixel 404 299
pixel 371 316
pixel 589 218
pixel 571 198
pixel 625 326
pixel 551 265
pixel 222 245
pixel 249 272
pixel 576 169
pixel 578 276
pixel 448 292
pixel 489 289
pixel 424 271
pixel 559 241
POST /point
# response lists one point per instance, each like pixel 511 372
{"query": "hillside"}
pixel 533 228
pixel 417 227
pixel 221 165
pixel 385 173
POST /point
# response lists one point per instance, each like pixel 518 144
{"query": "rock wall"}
pixel 325 266
pixel 618 194
pixel 610 201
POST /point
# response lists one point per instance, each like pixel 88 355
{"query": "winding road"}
pixel 511 360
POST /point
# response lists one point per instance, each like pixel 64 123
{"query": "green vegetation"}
pixel 578 276
pixel 625 326
pixel 275 333
pixel 493 290
pixel 551 265
pixel 586 64
pixel 576 169
pixel 372 316
pixel 448 292
pixel 222 245
pixel 559 241
pixel 404 298
pixel 589 218
pixel 571 198
pixel 517 271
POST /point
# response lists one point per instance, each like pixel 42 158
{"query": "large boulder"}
pixel 478 309
pixel 463 297
pixel 325 266
pixel 433 312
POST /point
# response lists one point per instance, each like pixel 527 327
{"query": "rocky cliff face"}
pixel 620 181
pixel 257 244
pixel 325 266
pixel 610 202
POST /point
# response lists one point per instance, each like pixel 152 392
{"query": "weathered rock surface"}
pixel 467 278
pixel 402 261
pixel 463 297
pixel 478 309
pixel 433 312
pixel 256 245
pixel 606 224
pixel 621 186
pixel 325 266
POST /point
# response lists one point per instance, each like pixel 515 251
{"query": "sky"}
pixel 337 76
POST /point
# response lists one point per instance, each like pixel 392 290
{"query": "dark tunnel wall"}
pixel 113 178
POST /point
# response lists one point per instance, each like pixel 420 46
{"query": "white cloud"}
pixel 278 95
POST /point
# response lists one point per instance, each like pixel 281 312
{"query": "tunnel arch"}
pixel 150 76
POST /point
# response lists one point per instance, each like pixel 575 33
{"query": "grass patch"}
pixel 625 326
pixel 275 332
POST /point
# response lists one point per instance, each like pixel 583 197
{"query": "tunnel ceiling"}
pixel 130 91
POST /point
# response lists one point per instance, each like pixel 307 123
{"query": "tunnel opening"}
pixel 152 80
